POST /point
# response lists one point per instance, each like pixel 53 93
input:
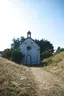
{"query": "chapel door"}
pixel 28 60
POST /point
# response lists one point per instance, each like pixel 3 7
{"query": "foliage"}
pixel 43 44
pixel 7 53
pixel 17 56
pixel 46 49
pixel 46 54
pixel 62 49
pixel 14 55
pixel 16 42
pixel 57 58
pixel 59 49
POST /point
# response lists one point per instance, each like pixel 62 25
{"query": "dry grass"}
pixel 56 65
pixel 18 80
pixel 15 80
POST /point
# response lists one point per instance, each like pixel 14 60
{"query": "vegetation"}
pixel 46 54
pixel 55 64
pixel 59 49
pixel 17 56
pixel 45 45
pixel 13 54
pixel 46 48
pixel 16 42
pixel 7 53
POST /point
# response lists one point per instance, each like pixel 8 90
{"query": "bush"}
pixel 14 55
pixel 59 50
pixel 17 56
pixel 7 54
pixel 46 54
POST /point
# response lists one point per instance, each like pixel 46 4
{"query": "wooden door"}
pixel 28 59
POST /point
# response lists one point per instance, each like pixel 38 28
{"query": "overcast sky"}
pixel 44 18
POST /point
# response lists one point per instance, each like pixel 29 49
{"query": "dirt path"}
pixel 47 83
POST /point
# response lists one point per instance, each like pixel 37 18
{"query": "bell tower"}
pixel 28 34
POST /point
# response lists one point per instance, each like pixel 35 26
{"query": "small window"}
pixel 28 47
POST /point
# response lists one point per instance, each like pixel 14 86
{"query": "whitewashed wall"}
pixel 34 52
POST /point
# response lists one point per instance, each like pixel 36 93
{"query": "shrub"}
pixel 7 53
pixel 59 50
pixel 14 55
pixel 46 54
pixel 17 56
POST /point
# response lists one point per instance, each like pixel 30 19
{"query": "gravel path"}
pixel 48 84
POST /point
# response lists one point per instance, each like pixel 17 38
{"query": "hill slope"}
pixel 19 80
pixel 15 80
pixel 56 65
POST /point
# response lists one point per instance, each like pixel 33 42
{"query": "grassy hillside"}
pixel 15 80
pixel 55 64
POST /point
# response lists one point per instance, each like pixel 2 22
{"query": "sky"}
pixel 44 18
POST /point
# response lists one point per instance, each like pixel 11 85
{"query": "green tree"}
pixel 45 45
pixel 16 42
pixel 7 53
pixel 46 54
pixel 59 49
pixel 17 56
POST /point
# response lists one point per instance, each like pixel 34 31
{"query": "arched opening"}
pixel 28 59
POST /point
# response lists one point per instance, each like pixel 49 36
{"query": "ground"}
pixel 20 80
pixel 48 84
pixel 16 80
